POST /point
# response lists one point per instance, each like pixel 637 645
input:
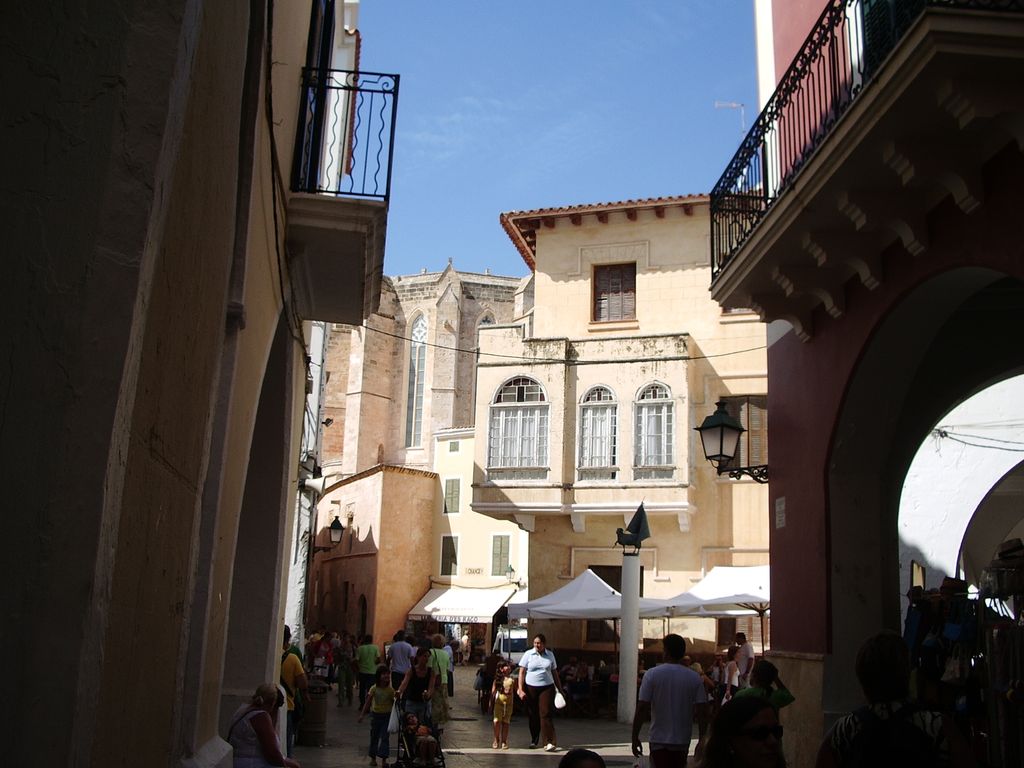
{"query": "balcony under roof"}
pixel 875 123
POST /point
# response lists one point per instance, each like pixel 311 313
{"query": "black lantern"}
pixel 510 574
pixel 335 529
pixel 720 438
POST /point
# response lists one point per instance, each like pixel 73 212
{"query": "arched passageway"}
pixel 946 340
pixel 962 479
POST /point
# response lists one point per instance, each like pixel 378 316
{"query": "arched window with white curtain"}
pixel 417 374
pixel 517 444
pixel 653 457
pixel 598 434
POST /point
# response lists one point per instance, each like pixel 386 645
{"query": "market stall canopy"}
pixel 726 591
pixel 609 607
pixel 462 605
pixel 586 597
pixel 587 586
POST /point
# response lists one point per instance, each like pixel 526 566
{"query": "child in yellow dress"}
pixel 502 700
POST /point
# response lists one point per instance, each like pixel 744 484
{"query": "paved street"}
pixel 467 739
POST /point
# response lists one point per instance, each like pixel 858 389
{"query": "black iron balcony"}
pixel 345 133
pixel 845 50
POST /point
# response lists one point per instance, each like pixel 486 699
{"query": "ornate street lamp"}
pixel 335 529
pixel 720 437
pixel 510 574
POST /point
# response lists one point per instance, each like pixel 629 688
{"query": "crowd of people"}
pixel 734 704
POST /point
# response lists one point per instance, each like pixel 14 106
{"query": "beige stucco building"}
pixel 621 353
pixel 398 454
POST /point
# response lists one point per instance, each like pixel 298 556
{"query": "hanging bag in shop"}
pixel 954 671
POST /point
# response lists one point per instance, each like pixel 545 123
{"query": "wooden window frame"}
pixel 626 295
pixel 455 560
pixel 449 484
pixel 752 449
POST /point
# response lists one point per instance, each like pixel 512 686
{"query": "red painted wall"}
pixel 791 23
pixel 807 382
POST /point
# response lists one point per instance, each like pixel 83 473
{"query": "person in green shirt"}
pixel 367 660
pixel 765 682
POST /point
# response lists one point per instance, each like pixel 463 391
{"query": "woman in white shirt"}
pixel 732 673
pixel 538 680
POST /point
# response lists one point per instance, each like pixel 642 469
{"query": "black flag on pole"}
pixel 635 532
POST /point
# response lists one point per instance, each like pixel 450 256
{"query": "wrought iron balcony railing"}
pixel 844 51
pixel 346 133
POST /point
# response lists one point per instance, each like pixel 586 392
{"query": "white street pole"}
pixel 630 629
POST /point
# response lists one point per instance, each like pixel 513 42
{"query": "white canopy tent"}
pixel 588 596
pixel 609 607
pixel 727 591
pixel 587 586
pixel 752 581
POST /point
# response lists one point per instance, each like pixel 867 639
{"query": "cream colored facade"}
pixel 679 342
pixel 485 547
pixel 399 397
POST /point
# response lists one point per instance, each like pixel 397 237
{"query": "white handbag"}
pixel 559 700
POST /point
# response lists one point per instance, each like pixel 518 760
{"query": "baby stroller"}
pixel 419 742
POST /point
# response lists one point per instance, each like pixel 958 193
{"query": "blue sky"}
pixel 529 104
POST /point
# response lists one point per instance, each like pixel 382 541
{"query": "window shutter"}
pixel 752 413
pixel 614 293
pixel 499 555
pixel 628 291
pixel 601 289
pixel 451 496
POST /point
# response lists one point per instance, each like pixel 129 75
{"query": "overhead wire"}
pixel 526 359
pixel 1003 445
pixel 950 433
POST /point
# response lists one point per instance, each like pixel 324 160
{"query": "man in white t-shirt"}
pixel 670 696
pixel 744 659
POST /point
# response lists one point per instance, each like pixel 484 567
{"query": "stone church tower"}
pixel 410 370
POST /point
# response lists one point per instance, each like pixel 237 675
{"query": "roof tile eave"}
pixel 517 240
pixel 649 202
pixel 509 219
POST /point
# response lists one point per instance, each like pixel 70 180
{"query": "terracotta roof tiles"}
pixel 521 226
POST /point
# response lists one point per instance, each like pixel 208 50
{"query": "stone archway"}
pixel 999 516
pixel 947 339
pixel 253 638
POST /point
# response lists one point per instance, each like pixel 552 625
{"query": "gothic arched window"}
pixel 417 373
